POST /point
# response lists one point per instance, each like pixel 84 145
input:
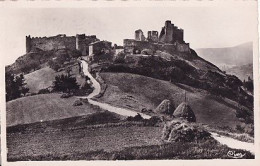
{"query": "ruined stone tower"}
pixel 152 36
pixel 80 44
pixel 28 43
pixel 171 33
pixel 170 40
pixel 139 35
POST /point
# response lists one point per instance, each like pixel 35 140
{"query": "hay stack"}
pixel 184 111
pixel 165 108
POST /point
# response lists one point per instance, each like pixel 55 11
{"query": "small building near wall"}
pixel 100 47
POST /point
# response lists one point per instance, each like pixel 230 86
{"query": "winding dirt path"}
pixel 97 89
pixel 230 142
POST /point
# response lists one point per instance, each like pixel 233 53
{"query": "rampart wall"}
pixel 50 43
pixel 131 46
pixel 78 42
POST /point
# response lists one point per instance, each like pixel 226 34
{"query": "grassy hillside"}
pixel 188 69
pixel 43 107
pixel 137 92
pixel 44 77
pixel 237 55
pixel 40 79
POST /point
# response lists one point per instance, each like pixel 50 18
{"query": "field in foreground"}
pixel 108 141
pixel 44 107
pixel 136 92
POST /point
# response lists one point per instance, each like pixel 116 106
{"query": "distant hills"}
pixel 229 56
pixel 242 72
pixel 237 60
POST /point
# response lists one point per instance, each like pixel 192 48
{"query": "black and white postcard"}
pixel 129 83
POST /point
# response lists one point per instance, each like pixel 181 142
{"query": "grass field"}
pixel 70 142
pixel 122 141
pixel 44 107
pixel 137 92
pixel 43 78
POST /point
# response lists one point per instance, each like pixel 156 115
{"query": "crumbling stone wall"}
pixel 78 42
pixel 134 46
pixel 152 36
pixel 50 43
pixel 183 47
pixel 100 47
pixel 83 41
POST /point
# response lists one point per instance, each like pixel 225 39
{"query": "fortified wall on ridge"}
pixel 79 42
pixel 170 39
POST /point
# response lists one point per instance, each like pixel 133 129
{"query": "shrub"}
pixel 153 121
pixel 239 128
pixel 43 91
pixel 120 58
pixel 66 95
pixel 65 83
pixel 77 103
pixel 137 117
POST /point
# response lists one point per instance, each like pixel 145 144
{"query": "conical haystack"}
pixel 184 111
pixel 165 107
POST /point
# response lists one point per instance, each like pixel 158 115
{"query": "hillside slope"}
pixel 184 68
pixel 229 56
pixel 137 92
pixel 43 107
pixel 44 77
pixel 242 72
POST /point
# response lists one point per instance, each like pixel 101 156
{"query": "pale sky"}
pixel 204 27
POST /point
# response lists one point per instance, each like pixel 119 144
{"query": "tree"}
pixel 65 83
pixel 15 86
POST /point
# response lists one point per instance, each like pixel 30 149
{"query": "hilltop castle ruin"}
pixel 79 42
pixel 170 38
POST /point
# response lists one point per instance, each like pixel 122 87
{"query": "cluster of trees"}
pixel 15 86
pixel 65 83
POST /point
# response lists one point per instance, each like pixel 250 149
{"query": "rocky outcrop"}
pixel 184 111
pixel 181 131
pixel 165 107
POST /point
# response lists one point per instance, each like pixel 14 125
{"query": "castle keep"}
pixel 79 42
pixel 171 34
pixel 170 39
